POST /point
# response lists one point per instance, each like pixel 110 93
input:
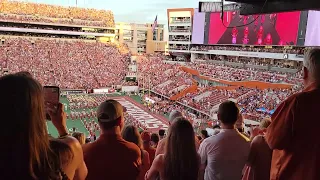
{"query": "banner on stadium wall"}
pixel 253 54
pixel 101 91
pixel 262 109
pixel 149 100
pixel 130 89
pixel 72 91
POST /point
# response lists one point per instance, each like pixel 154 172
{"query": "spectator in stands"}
pixel 180 160
pixel 216 129
pixel 131 134
pixel 146 138
pixel 27 151
pixel 155 140
pixel 80 137
pixel 224 155
pixel 259 162
pixel 296 152
pixel 204 135
pixel 162 133
pixel 161 146
pixel 110 156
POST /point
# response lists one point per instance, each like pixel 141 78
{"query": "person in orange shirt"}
pixel 110 156
pixel 293 133
pixel 146 138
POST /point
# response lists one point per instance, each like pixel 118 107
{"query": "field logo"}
pixel 142 116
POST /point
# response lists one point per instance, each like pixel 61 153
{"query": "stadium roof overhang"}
pixel 248 7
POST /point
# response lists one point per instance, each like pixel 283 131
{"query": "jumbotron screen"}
pixel 266 29
pixel 313 29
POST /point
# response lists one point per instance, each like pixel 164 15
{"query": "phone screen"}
pixel 51 99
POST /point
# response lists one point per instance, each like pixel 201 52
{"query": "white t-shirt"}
pixel 226 155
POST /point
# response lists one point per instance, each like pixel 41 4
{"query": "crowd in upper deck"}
pixel 44 13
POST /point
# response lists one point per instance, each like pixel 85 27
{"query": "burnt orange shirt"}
pixel 151 151
pixel 294 137
pixel 112 158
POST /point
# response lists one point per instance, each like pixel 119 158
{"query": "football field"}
pixel 152 121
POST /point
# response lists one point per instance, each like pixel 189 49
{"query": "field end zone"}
pixel 153 122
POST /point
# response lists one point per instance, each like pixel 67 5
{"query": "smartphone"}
pixel 51 99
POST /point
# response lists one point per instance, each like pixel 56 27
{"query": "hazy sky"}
pixel 139 11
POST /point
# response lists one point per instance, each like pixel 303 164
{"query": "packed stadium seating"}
pixel 68 64
pixel 81 66
pixel 299 50
pixel 44 13
pixel 164 83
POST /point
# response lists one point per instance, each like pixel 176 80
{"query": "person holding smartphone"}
pixel 27 151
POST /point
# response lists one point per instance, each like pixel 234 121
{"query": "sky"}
pixel 132 11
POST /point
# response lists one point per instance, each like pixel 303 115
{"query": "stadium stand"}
pixel 34 12
pixel 167 83
pixel 66 63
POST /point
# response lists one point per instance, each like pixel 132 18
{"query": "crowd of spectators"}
pixel 231 73
pixel 34 12
pixel 82 107
pixel 46 36
pixel 154 71
pixel 68 64
pixel 296 50
pixel 181 154
pixel 246 61
pixel 167 77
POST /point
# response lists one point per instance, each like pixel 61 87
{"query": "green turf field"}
pixel 77 123
pixel 70 124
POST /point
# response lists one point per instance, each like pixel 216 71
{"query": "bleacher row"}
pixel 152 66
pixel 45 13
pixel 68 64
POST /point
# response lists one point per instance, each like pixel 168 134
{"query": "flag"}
pixel 155 23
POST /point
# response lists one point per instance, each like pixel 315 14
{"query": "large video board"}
pixel 198 27
pixel 267 29
pixel 313 29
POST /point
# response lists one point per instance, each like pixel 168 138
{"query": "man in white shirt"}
pixel 224 155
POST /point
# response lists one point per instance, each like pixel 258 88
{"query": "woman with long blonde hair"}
pixel 26 151
pixel 181 160
pixel 80 137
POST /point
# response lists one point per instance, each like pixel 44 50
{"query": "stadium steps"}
pixel 203 95
pixel 179 88
pixel 245 95
pixel 193 88
pixel 164 84
pixel 189 70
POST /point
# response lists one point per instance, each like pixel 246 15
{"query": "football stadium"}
pixel 211 73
